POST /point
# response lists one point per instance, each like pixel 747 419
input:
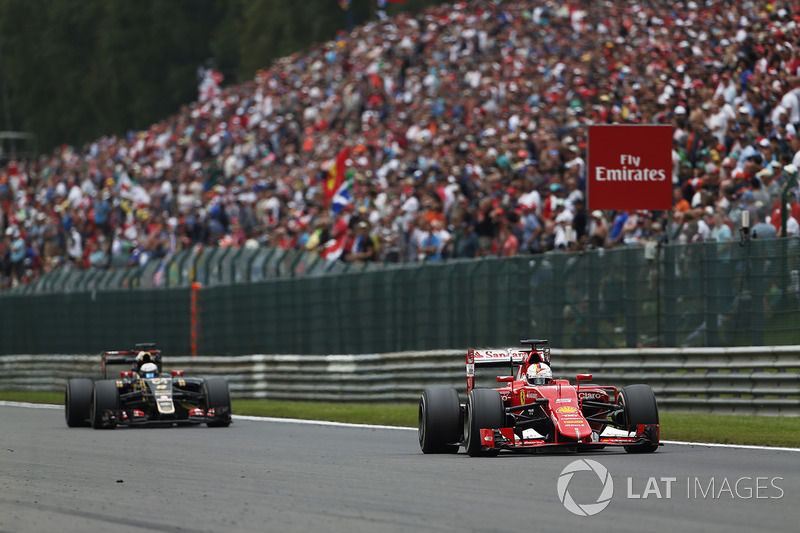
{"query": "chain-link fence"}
pixel 278 301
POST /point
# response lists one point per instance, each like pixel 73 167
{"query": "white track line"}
pixel 374 426
pixel 318 422
pixel 31 405
pixel 744 446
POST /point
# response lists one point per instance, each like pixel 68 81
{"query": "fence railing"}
pixel 764 381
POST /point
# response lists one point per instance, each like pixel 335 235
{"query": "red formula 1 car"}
pixel 143 396
pixel 531 413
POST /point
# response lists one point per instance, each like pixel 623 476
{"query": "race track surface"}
pixel 279 476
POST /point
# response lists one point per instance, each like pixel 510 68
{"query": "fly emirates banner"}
pixel 629 167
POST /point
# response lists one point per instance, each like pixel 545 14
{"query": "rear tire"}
pixel 485 410
pixel 106 398
pixel 439 424
pixel 218 398
pixel 640 407
pixel 78 402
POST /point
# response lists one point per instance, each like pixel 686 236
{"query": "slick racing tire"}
pixel 640 407
pixel 484 411
pixel 105 399
pixel 439 420
pixel 218 398
pixel 78 402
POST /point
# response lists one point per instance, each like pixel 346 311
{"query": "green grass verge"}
pixel 32 397
pixel 385 414
pixel 726 429
pixel 731 429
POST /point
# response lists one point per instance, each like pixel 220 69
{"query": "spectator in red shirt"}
pixel 506 244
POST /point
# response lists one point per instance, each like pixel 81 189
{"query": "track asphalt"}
pixel 271 475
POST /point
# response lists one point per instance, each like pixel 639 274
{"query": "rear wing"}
pixel 128 357
pixel 493 358
pixel 508 357
pixel 497 357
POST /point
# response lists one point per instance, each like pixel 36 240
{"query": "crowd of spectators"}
pixel 465 133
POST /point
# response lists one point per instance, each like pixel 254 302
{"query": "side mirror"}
pixel 505 379
pixel 583 377
pixel 177 373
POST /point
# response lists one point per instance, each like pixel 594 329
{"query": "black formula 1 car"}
pixel 142 396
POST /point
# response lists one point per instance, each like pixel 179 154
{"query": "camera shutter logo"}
pixel 587 509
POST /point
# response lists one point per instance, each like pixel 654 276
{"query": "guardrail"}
pixel 762 381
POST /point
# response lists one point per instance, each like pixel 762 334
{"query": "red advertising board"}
pixel 629 167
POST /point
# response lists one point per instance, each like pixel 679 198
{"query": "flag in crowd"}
pixel 343 195
pixel 335 175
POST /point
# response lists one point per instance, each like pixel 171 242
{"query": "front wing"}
pixel 506 439
pixel 139 417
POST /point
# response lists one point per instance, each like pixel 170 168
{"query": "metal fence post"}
pixel 195 316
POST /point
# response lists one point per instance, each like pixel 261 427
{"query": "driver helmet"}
pixel 149 370
pixel 539 374
pixel 142 358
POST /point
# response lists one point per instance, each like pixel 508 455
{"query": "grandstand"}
pixel 471 114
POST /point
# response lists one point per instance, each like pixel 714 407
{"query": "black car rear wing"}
pixel 128 357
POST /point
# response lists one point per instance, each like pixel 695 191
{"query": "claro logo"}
pixel 629 173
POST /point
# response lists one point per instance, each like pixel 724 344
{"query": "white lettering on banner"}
pixel 629 174
pixel 626 159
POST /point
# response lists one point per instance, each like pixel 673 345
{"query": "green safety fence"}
pixel 88 322
pixel 282 301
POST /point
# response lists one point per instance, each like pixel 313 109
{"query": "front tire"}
pixel 78 402
pixel 106 398
pixel 640 407
pixel 218 398
pixel 485 410
pixel 439 424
